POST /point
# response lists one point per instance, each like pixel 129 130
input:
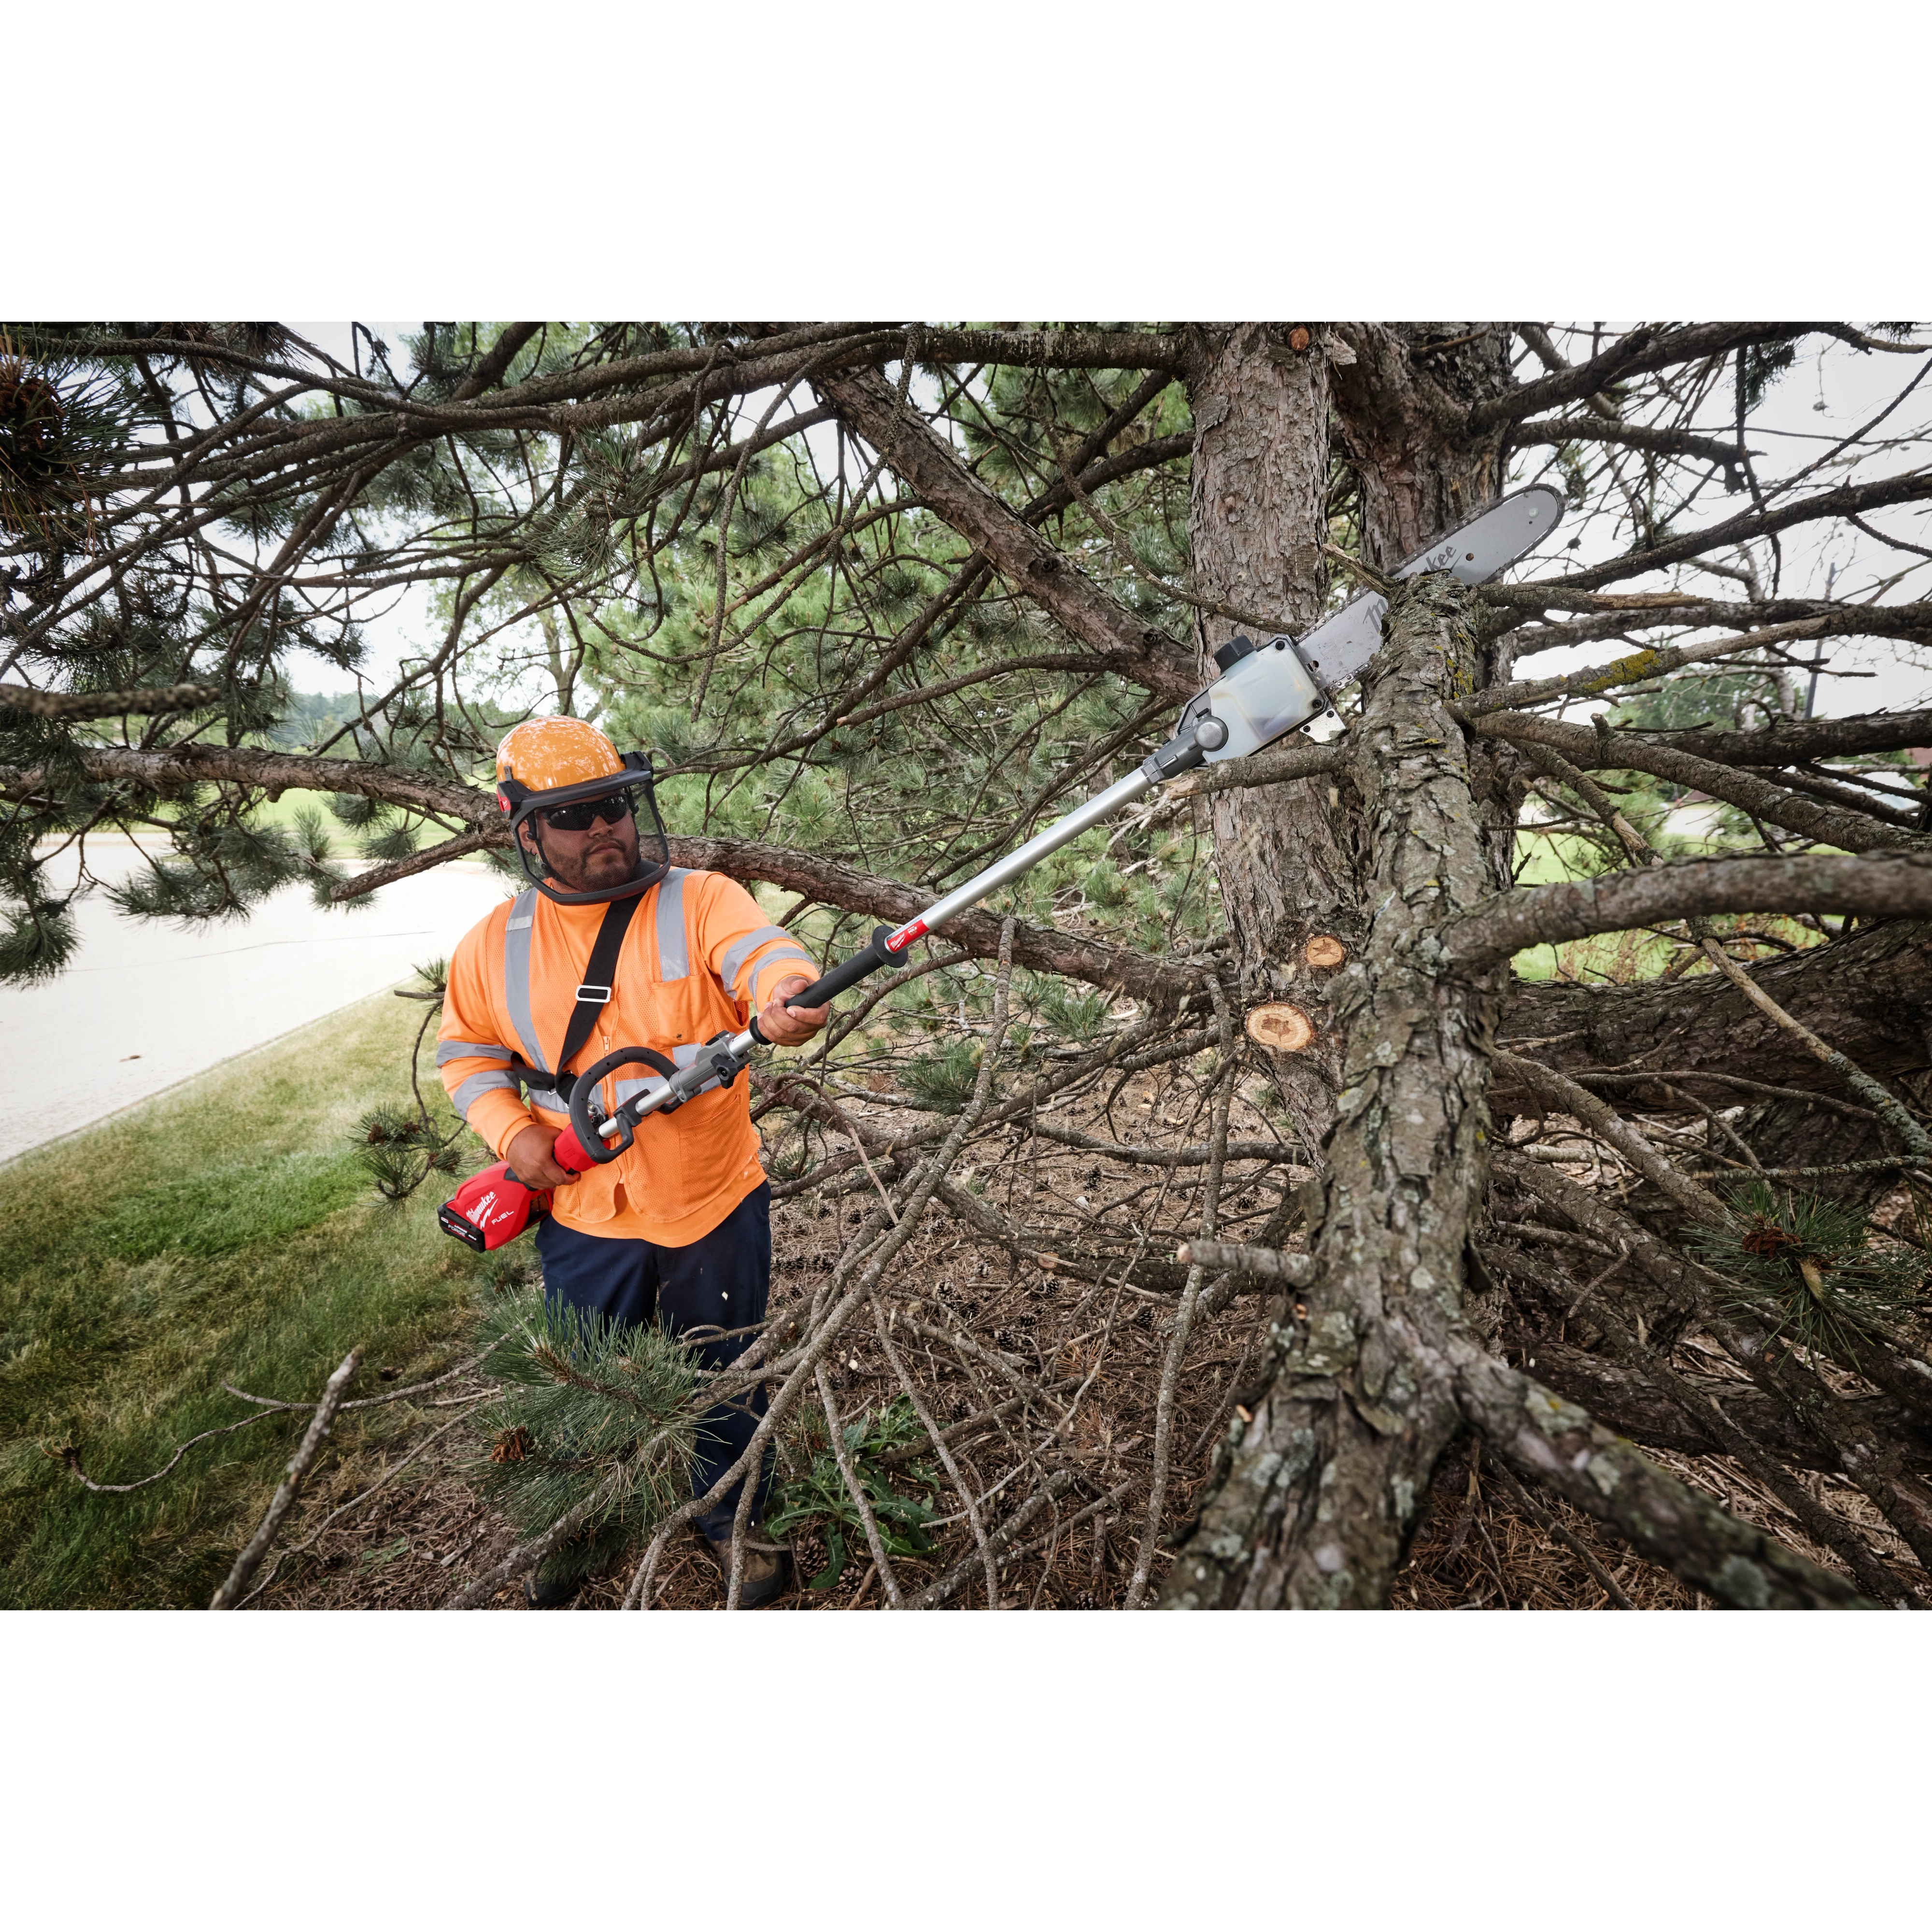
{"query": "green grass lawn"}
pixel 224 1230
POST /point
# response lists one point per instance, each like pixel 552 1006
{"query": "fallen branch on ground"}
pixel 230 1595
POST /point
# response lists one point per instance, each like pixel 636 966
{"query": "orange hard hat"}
pixel 546 754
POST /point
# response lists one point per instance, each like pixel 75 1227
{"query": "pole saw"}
pixel 1264 692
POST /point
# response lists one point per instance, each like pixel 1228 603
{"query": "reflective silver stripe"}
pixel 548 1096
pixel 727 966
pixel 673 961
pixel 472 1089
pixel 516 975
pixel 447 1050
pixel 758 965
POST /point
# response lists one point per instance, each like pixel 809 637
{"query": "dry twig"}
pixel 229 1595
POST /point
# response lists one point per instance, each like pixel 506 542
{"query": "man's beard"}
pixel 601 868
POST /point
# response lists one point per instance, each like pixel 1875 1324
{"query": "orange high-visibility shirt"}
pixel 699 959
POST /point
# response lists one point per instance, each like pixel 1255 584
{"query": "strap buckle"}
pixel 594 996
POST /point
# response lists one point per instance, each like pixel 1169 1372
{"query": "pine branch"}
pixel 79 704
pixel 1891 885
pixel 1852 832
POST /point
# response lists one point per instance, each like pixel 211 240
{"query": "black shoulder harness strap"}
pixel 600 976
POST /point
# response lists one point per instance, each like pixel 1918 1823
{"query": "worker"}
pixel 610 946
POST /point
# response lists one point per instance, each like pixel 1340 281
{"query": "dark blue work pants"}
pixel 720 1281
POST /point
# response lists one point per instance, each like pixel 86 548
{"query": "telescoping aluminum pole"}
pixel 1263 692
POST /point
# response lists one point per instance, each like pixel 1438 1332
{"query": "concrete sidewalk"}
pixel 144 1005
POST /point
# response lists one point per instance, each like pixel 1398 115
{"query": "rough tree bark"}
pixel 1322 1488
pixel 1287 856
pixel 1406 397
pixel 1299 864
pixel 1373 1370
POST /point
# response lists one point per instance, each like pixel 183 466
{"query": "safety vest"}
pixel 700 958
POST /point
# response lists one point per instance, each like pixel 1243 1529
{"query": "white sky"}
pixel 1789 429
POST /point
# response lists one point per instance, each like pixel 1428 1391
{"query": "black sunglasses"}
pixel 580 818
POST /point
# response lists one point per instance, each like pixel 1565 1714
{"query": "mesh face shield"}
pixel 525 807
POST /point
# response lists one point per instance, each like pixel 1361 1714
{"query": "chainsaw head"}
pixel 1263 694
pixel 1339 647
pixel 1266 690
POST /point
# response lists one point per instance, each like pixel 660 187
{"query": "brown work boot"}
pixel 767 1570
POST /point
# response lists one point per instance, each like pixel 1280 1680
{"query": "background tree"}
pixel 885 598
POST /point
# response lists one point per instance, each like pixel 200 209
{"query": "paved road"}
pixel 145 1006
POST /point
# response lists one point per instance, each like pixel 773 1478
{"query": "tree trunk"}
pixel 1322 1488
pixel 1311 859
pixel 1287 857
pixel 1373 1370
pixel 1401 397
